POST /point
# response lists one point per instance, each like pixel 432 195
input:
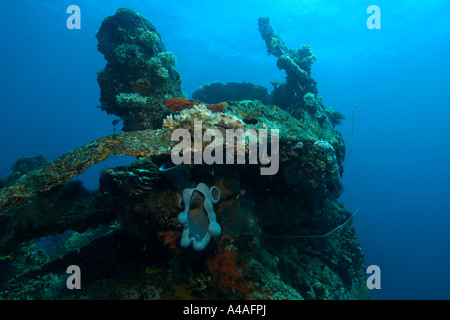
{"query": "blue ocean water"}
pixel 397 76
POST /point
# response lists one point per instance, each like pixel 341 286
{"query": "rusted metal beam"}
pixel 137 143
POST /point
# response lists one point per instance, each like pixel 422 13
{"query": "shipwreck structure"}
pixel 284 236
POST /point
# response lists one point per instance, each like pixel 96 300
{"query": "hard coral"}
pixel 201 113
pixel 187 117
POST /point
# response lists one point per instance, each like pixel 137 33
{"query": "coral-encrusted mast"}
pixel 73 163
pixel 296 63
pixel 274 43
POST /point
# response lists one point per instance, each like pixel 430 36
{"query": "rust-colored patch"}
pixel 225 273
pixel 181 104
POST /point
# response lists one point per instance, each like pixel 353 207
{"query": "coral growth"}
pixel 200 112
pixel 143 208
pixel 127 234
pixel 187 117
pixel 140 74
pixel 181 104
pixel 24 165
pixel 226 275
pixel 73 163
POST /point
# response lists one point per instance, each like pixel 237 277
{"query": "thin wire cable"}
pixel 318 235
